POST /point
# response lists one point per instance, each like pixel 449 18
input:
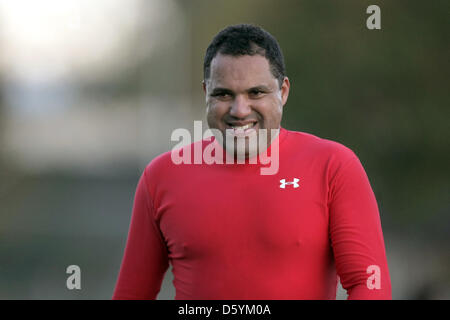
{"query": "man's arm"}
pixel 356 235
pixel 145 260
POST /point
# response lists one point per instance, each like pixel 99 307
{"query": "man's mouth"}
pixel 239 129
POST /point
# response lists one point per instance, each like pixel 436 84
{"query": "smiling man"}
pixel 229 231
pixel 243 95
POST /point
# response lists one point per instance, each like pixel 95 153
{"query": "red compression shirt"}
pixel 231 233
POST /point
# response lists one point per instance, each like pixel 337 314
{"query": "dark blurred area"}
pixel 90 93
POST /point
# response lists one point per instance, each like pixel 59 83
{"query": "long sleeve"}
pixel 145 259
pixel 356 234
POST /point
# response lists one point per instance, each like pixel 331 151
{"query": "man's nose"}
pixel 240 107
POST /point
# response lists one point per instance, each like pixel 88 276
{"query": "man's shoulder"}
pixel 169 160
pixel 161 161
pixel 319 146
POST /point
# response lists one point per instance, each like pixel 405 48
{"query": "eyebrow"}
pixel 259 88
pixel 230 92
pixel 221 90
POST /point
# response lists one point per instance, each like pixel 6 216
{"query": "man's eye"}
pixel 256 93
pixel 221 95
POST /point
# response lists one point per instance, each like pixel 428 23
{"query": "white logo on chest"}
pixel 294 183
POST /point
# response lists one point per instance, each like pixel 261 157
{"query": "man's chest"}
pixel 203 213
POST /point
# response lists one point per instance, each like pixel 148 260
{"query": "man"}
pixel 231 232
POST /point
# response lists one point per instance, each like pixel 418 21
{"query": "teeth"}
pixel 247 126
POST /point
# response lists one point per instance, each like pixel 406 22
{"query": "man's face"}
pixel 242 95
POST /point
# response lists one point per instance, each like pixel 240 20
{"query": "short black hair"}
pixel 246 39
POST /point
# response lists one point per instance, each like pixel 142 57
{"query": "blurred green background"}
pixel 90 93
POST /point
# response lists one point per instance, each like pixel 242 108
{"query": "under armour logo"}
pixel 284 183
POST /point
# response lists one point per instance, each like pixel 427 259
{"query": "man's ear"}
pixel 285 90
pixel 204 86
